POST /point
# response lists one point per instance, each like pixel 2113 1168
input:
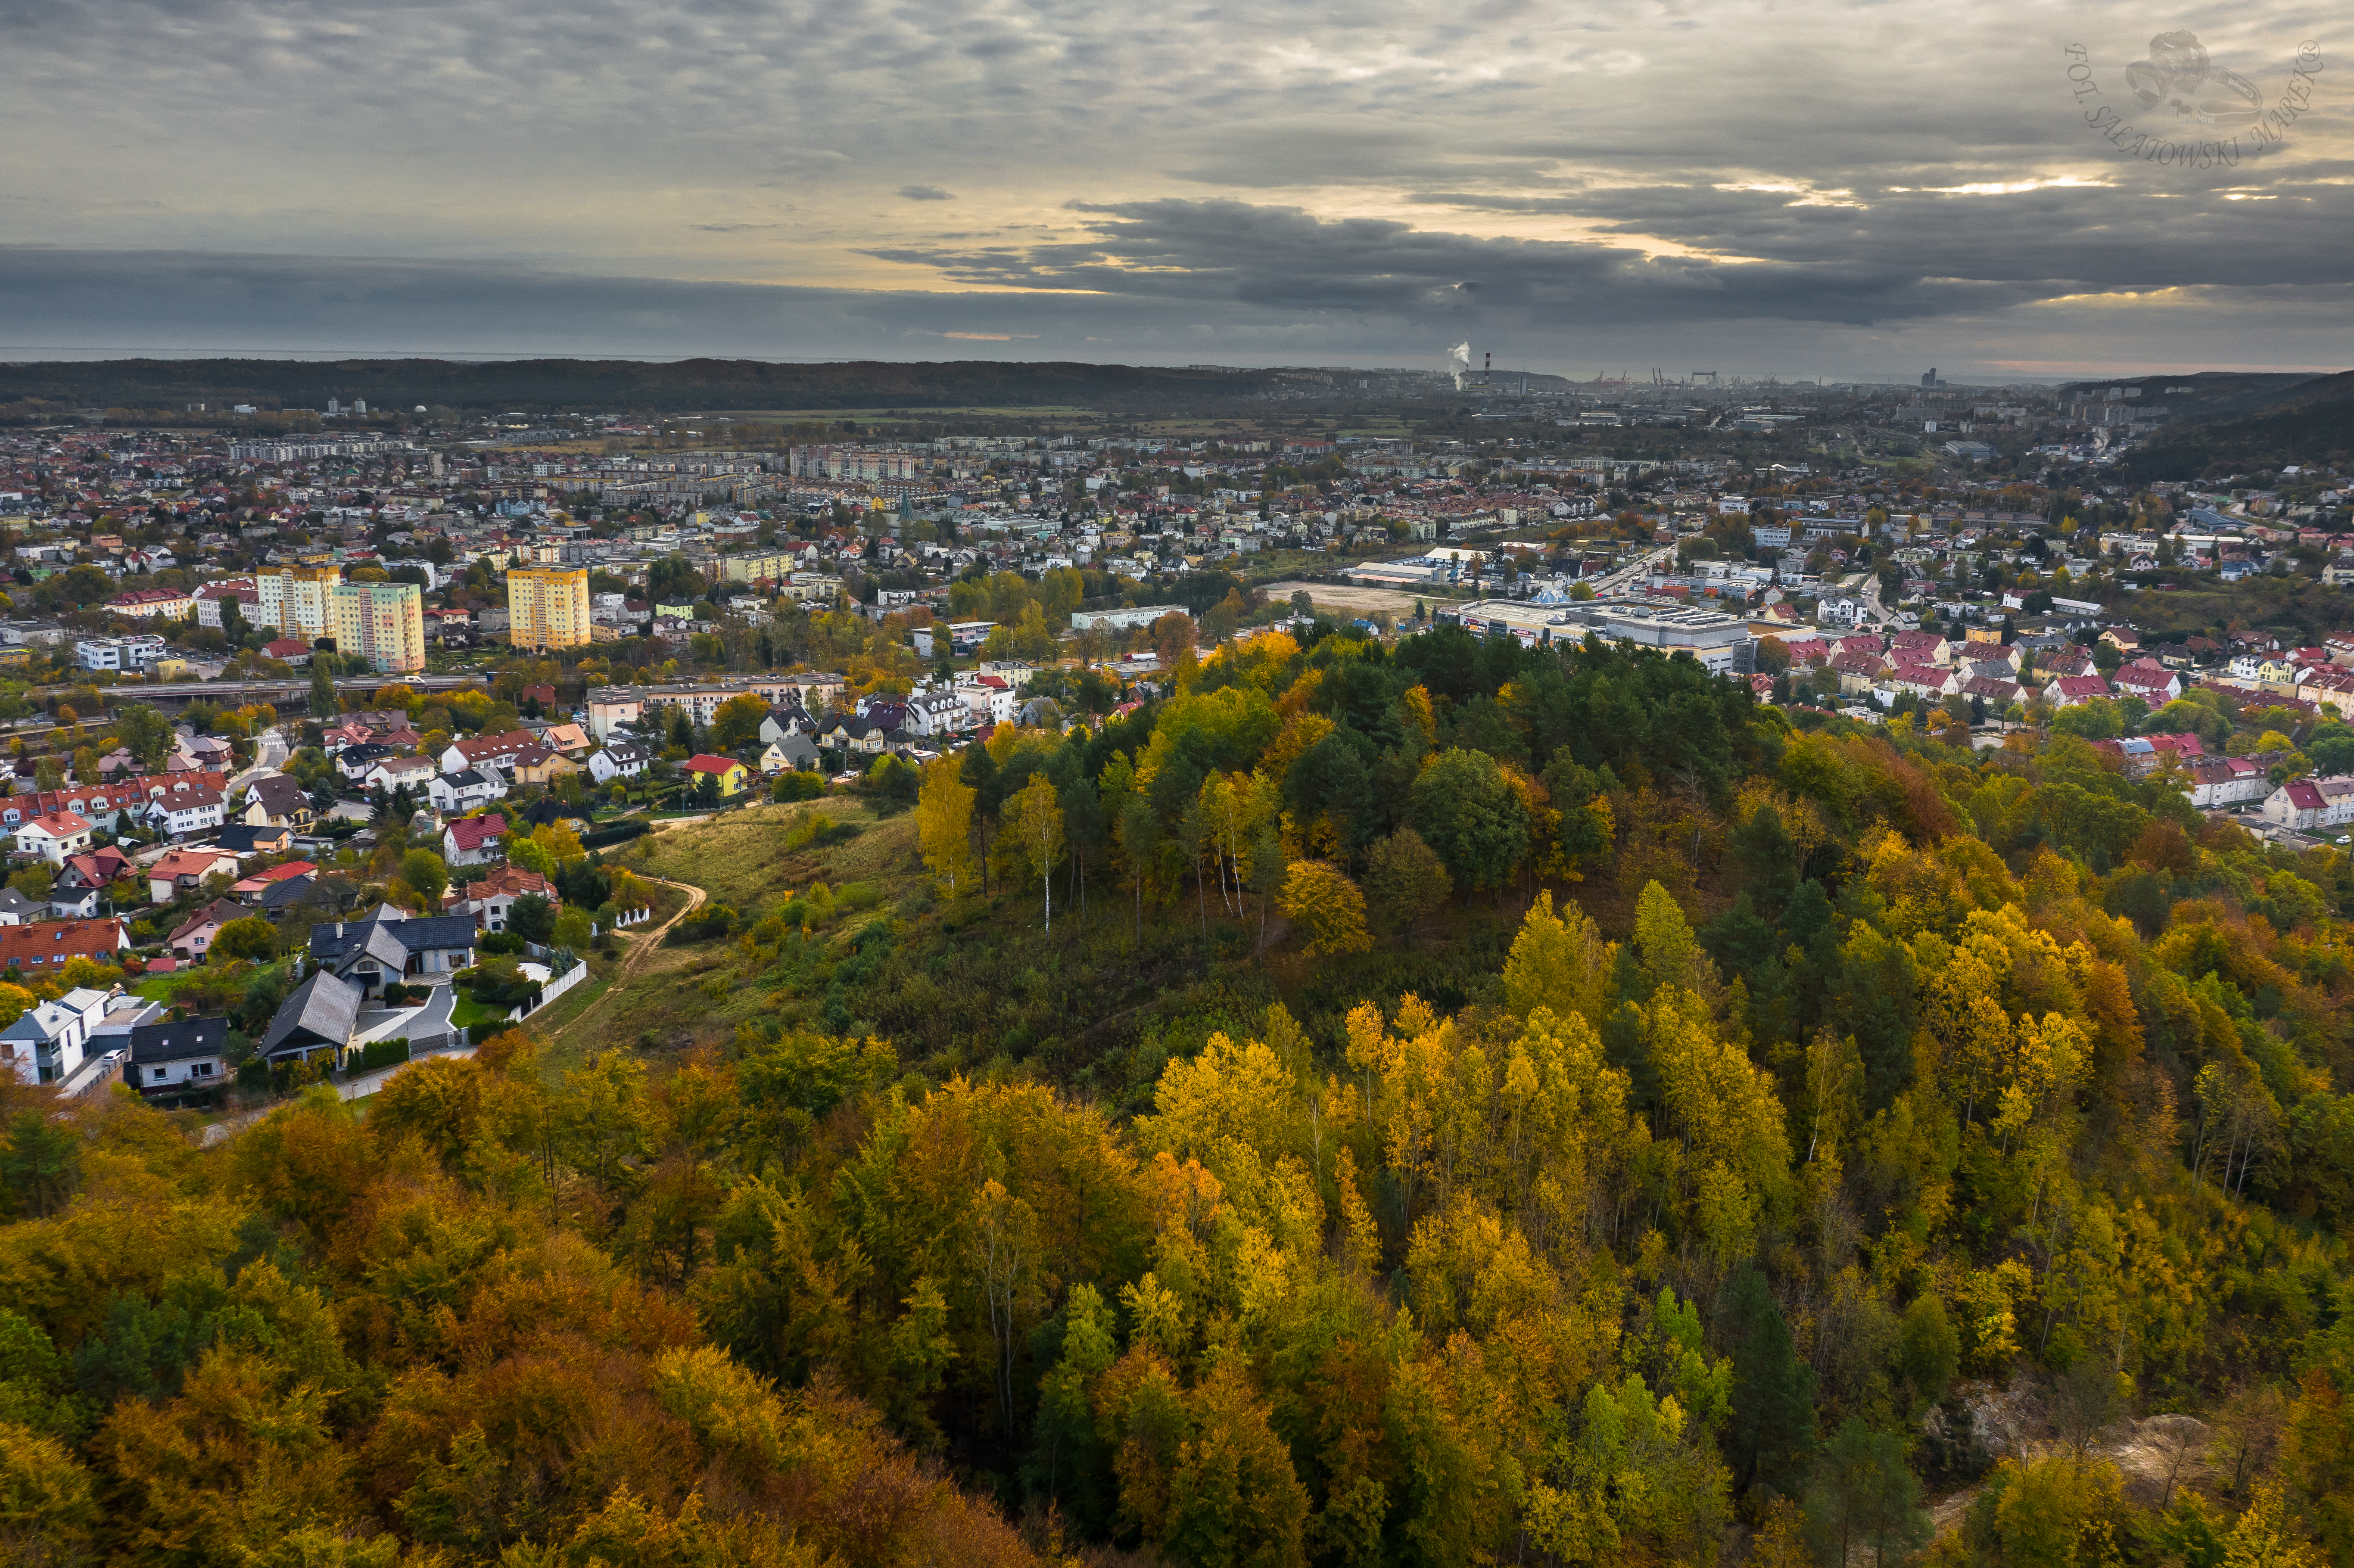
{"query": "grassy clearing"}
pixel 684 995
pixel 742 858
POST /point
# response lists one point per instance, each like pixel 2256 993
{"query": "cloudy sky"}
pixel 1811 187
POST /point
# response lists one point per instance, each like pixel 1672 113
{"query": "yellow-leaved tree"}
pixel 1037 820
pixel 1328 905
pixel 944 823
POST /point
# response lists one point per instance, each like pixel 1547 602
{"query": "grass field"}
pixel 684 995
pixel 740 858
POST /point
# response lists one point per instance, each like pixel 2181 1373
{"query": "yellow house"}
pixel 537 764
pixel 730 773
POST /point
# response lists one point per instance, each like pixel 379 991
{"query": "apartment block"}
pixel 294 601
pixel 548 607
pixel 383 622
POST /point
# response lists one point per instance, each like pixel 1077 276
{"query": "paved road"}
pixel 270 749
pixel 355 1087
pixel 362 1084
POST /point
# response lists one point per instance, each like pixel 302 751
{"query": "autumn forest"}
pixel 1378 1107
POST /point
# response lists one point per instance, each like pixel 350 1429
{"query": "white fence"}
pixel 554 988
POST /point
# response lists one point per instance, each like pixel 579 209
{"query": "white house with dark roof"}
pixel 173 1058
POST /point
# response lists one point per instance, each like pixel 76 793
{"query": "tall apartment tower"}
pixel 383 622
pixel 294 601
pixel 547 606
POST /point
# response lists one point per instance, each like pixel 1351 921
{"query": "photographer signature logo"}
pixel 2183 110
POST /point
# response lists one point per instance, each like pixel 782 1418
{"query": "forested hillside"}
pixel 1415 1107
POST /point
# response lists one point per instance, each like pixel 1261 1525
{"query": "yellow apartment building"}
pixel 547 606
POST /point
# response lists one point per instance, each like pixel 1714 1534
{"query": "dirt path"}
pixel 641 948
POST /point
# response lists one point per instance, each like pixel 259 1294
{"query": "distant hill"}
pixel 2309 421
pixel 539 386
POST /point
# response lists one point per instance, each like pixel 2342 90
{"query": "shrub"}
pixel 378 1054
pixel 798 785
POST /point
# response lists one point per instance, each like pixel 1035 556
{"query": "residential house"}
pixel 181 814
pixel 2222 782
pixel 726 774
pixel 83 880
pixel 493 751
pixel 248 890
pixel 618 759
pixel 291 650
pixel 488 902
pixel 182 869
pixel 2184 748
pixel 2069 691
pixel 858 736
pixel 392 774
pixel 537 764
pixel 172 1058
pixel 1804 651
pixel 1995 692
pixel 392 945
pixel 467 789
pixel 1924 645
pixel 792 754
pixel 318 1016
pixel 353 762
pixel 938 713
pixel 42 948
pixel 103 807
pixel 46 1043
pixel 475 841
pixel 277 801
pixel 247 839
pixel 2055 662
pixel 1858 672
pixel 792 719
pixel 2297 804
pixel 15 908
pixel 53 837
pixel 193 937
pixel 1922 678
pixel 2150 681
pixel 570 740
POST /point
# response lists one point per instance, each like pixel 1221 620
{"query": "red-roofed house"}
pixel 182 869
pixel 172 604
pixel 2298 804
pixel 474 841
pixel 726 772
pixel 489 900
pixel 53 837
pixel 45 947
pixel 250 889
pixel 2218 781
pixel 289 651
pixel 2068 691
pixel 2150 681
